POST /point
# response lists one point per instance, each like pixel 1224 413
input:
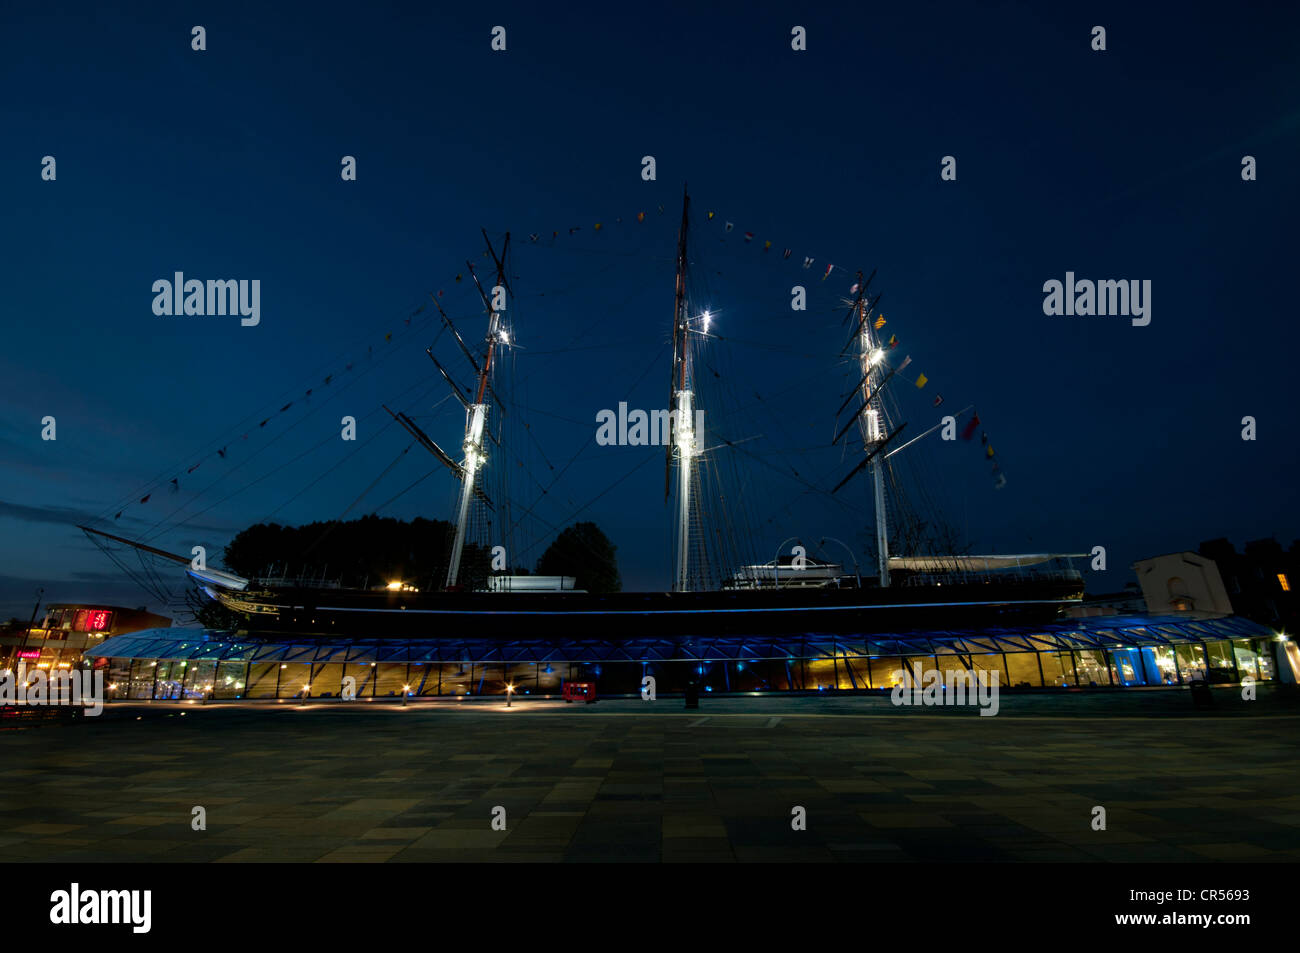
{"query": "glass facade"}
pixel 1101 652
pixel 1023 670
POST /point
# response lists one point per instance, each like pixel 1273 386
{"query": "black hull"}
pixel 458 615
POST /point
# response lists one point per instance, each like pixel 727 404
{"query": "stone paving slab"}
pixel 627 782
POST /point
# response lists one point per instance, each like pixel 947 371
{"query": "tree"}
pixel 583 551
pixel 369 551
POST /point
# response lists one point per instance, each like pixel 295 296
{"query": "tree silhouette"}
pixel 366 552
pixel 583 551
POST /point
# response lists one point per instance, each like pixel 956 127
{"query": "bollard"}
pixel 692 695
pixel 1202 698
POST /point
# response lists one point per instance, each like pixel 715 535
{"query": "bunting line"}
pixel 535 238
pixel 749 238
pixel 173 485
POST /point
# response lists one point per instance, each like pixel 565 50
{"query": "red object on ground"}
pixel 580 691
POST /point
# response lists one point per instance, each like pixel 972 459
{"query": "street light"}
pixel 776 561
pixel 856 571
pixel 406 691
pixel 510 694
pixel 28 631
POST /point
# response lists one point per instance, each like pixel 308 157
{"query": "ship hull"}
pixel 639 615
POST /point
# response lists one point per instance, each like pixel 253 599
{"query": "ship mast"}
pixel 870 417
pixel 476 413
pixel 872 422
pixel 685 441
pixel 874 436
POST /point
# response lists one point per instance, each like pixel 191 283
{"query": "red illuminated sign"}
pixel 29 653
pixel 91 620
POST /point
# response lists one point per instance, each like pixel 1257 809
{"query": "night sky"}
pixel 1122 164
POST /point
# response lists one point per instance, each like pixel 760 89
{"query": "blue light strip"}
pixel 588 613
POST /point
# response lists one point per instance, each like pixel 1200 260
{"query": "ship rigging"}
pixel 716 584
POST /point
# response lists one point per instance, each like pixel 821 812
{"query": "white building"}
pixel 1182 582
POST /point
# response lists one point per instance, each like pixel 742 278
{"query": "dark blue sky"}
pixel 225 164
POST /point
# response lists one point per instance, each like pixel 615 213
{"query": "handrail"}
pixel 299 582
pixel 967 578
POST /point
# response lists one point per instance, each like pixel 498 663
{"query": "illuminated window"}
pixel 1282 581
pixel 80 624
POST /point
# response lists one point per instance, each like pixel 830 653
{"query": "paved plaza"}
pixel 625 780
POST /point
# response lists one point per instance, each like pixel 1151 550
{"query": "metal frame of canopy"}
pixel 1099 632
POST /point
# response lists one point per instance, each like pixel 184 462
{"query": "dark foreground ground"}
pixel 627 780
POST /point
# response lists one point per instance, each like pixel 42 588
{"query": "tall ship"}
pixel 916 588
